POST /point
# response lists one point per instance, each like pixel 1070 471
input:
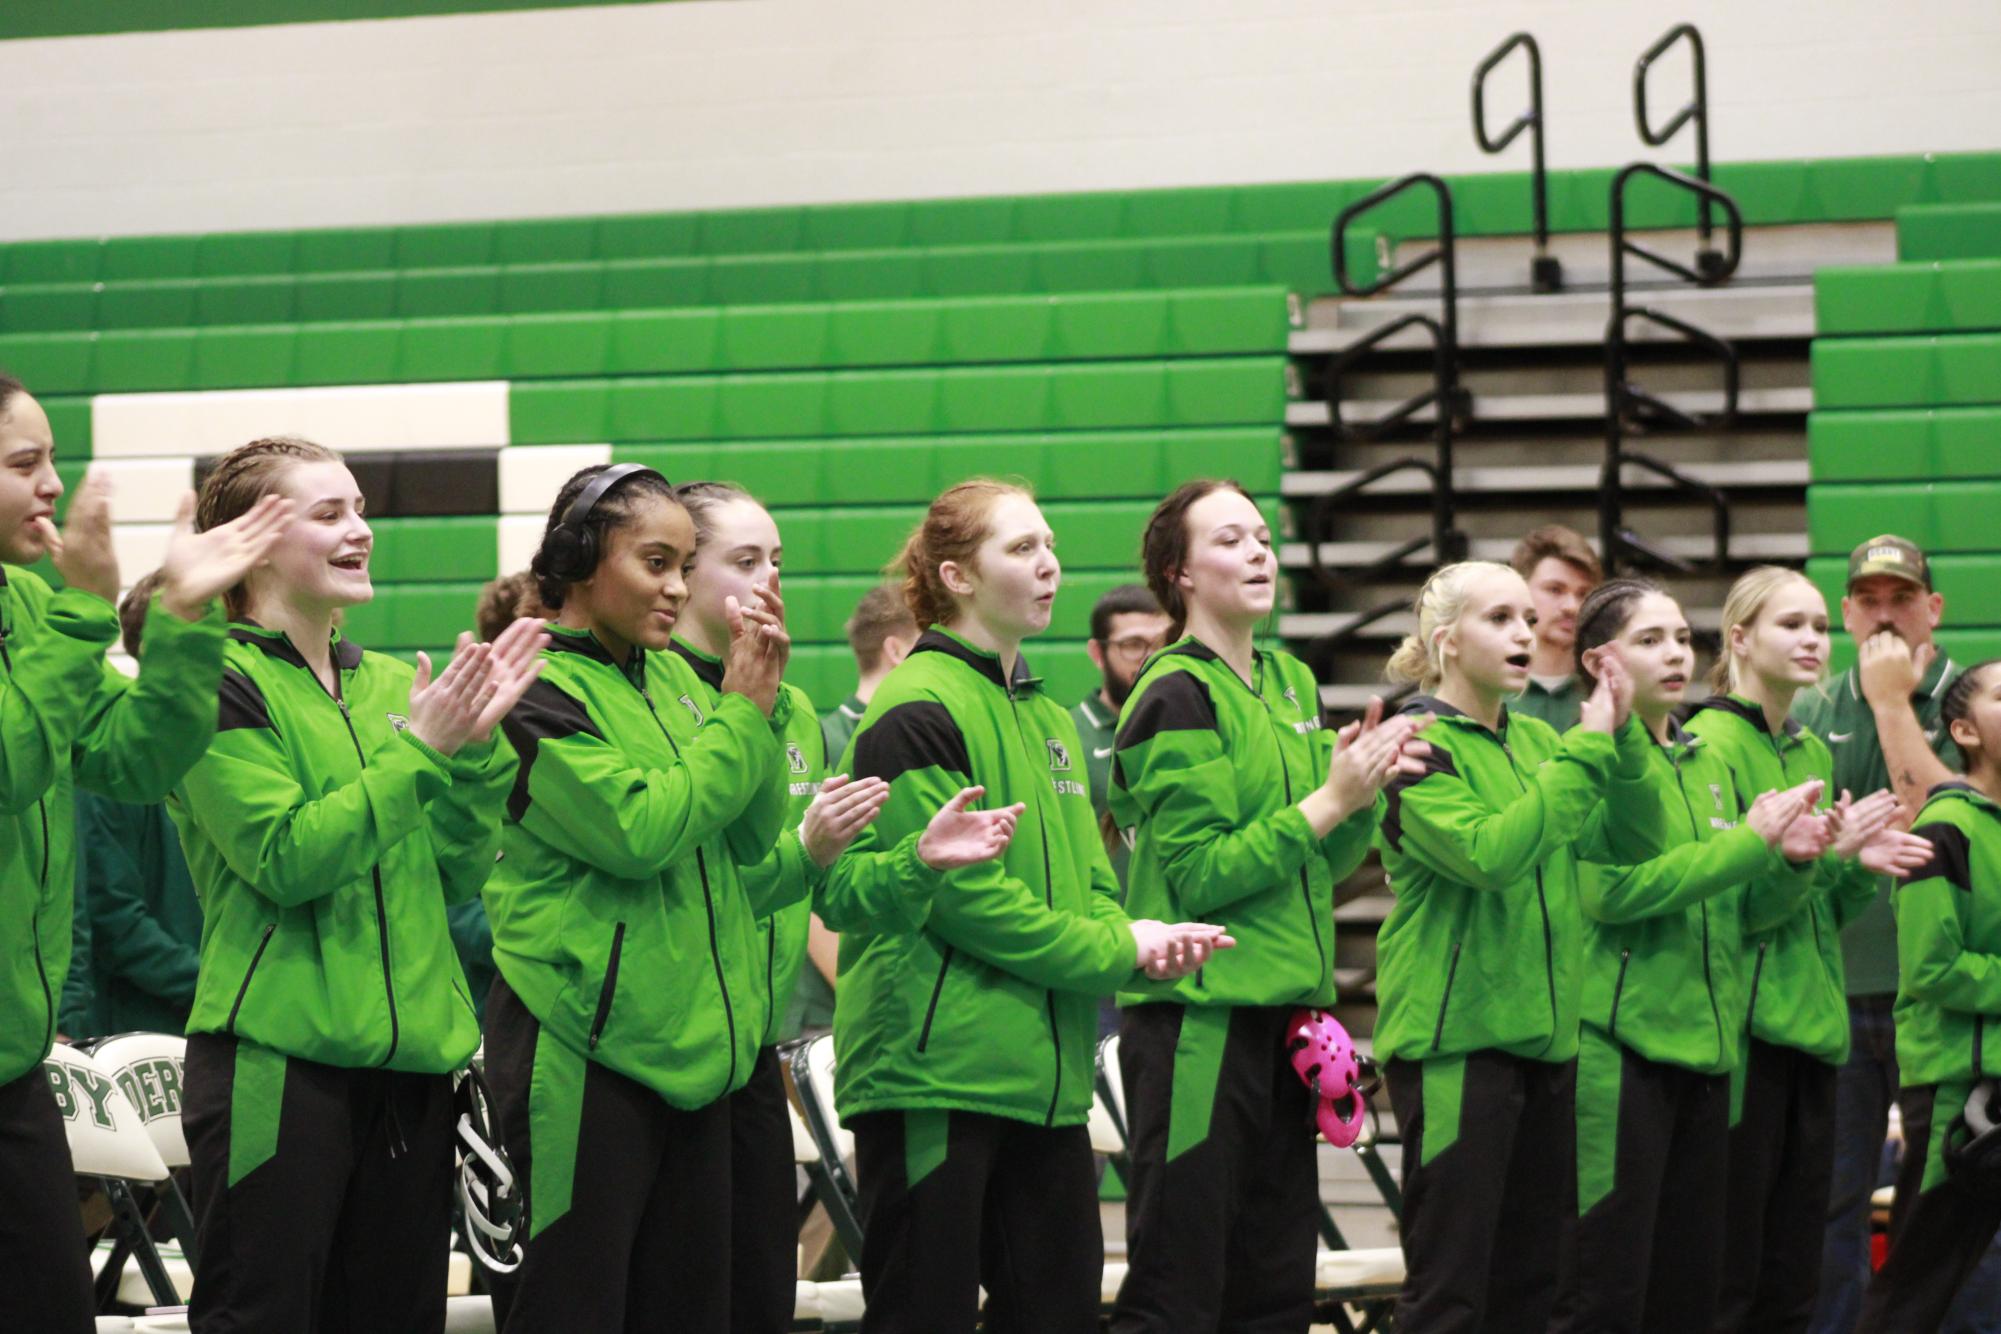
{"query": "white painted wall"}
pixel 710 103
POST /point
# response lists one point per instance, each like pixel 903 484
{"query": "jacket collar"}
pixel 709 669
pixel 1188 646
pixel 1967 792
pixel 1439 708
pixel 563 639
pixel 1749 712
pixel 940 640
pixel 346 653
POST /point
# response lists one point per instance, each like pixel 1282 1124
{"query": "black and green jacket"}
pixel 619 915
pixel 326 841
pixel 67 716
pixel 991 1005
pixel 1949 943
pixel 1662 940
pixel 787 871
pixel 1211 771
pixel 1484 948
pixel 1796 996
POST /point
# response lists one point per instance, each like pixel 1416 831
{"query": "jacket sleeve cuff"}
pixel 439 762
pixel 85 616
pixel 1632 747
pixel 1594 750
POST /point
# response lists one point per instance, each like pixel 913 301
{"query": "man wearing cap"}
pixel 1881 720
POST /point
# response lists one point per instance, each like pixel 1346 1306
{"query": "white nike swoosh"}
pixel 1840 736
pixel 1099 754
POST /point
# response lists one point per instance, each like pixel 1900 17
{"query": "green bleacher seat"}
pixel 1934 297
pixel 1903 443
pixel 1898 372
pixel 1949 231
pixel 423 550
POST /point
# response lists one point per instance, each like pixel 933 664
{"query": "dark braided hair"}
pixel 1959 704
pixel 1604 614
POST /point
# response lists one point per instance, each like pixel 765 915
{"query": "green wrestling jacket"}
pixel 781 937
pixel 326 842
pixel 67 716
pixel 991 1006
pixel 1210 771
pixel 1663 942
pixel 1949 943
pixel 618 913
pixel 1484 948
pixel 1796 995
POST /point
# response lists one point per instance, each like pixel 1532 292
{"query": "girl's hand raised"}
pixel 759 647
pixel 959 837
pixel 477 688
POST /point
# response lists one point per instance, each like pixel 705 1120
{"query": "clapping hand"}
pixel 1165 951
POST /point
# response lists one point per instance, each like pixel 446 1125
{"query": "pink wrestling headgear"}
pixel 1324 1055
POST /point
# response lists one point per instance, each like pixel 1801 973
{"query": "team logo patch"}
pixel 1716 794
pixel 1059 755
pixel 695 709
pixel 795 757
pixel 1292 696
pixel 398 721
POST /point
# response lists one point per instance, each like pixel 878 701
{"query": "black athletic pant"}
pixel 41 1233
pixel 1781 1178
pixel 322 1195
pixel 764 1204
pixel 1224 1191
pixel 1940 1231
pixel 1652 1159
pixel 1489 1189
pixel 954 1201
pixel 639 1190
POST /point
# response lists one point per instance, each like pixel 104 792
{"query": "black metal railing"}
pixel 1445 398
pixel 1708 262
pixel 1629 407
pixel 1545 270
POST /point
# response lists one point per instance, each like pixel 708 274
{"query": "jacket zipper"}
pixel 257 957
pixel 610 985
pixel 1757 972
pixel 1542 902
pixel 1285 774
pixel 1619 989
pixel 709 905
pixel 42 811
pixel 1708 980
pixel 1451 972
pixel 1049 900
pixel 381 907
pixel 931 1010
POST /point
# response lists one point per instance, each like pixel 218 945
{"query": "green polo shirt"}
pixel 837 725
pixel 1096 725
pixel 1836 712
pixel 1559 707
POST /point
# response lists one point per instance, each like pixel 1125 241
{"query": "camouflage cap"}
pixel 1897 557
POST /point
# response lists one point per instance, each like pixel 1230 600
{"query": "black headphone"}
pixel 570 549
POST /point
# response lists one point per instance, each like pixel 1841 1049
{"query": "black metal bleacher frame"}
pixel 1545 269
pixel 1708 262
pixel 1626 402
pixel 1446 397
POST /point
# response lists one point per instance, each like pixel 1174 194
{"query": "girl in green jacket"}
pixel 737 549
pixel 344 803
pixel 1948 1020
pixel 965 1047
pixel 68 717
pixel 1795 1016
pixel 629 1005
pixel 1247 815
pixel 1479 961
pixel 1660 954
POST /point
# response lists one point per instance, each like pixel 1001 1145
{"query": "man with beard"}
pixel 1560 569
pixel 1881 720
pixel 1127 626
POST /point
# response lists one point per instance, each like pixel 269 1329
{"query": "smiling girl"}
pixel 1479 960
pixel 737 551
pixel 966 1046
pixel 1662 990
pixel 1775 644
pixel 68 717
pixel 344 804
pixel 1248 813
